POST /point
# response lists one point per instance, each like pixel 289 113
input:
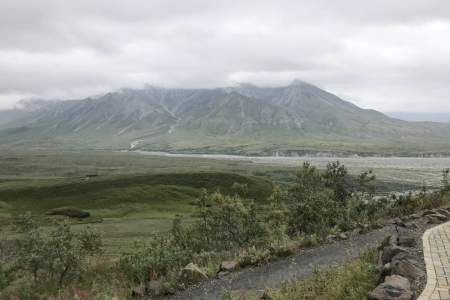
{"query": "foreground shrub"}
pixel 57 257
pixel 156 259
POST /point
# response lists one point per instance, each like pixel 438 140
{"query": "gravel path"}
pixel 299 266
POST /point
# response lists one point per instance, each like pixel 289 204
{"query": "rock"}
pixel 439 216
pixel 436 218
pixel 406 240
pixel 192 274
pixel 221 274
pixel 415 216
pixel 394 287
pixel 229 266
pixel 356 231
pixel 386 270
pixel 405 265
pixel 389 252
pixel 427 212
pixel 342 236
pixel 443 212
pixel 411 225
pixel 390 240
pixel 376 226
pixel 331 237
pixel 398 222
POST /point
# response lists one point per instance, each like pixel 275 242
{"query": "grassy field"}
pixel 129 196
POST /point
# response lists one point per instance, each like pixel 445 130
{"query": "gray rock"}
pixel 394 287
pixel 414 216
pixel 407 266
pixel 428 212
pixel 342 236
pixel 192 274
pixel 411 225
pixel 406 240
pixel 443 212
pixel 389 252
pixel 229 266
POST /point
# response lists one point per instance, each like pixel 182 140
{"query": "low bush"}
pixel 71 212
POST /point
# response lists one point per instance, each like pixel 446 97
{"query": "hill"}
pixel 295 119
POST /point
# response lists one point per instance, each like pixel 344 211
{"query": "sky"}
pixel 382 54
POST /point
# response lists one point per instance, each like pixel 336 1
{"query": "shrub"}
pixel 311 206
pixel 224 222
pixel 153 260
pixel 71 212
pixel 59 256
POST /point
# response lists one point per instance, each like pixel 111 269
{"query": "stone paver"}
pixel 436 251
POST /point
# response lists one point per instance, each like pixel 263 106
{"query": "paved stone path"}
pixel 436 250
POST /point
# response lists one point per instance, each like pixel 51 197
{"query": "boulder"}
pixel 394 287
pixel 436 218
pixel 389 252
pixel 192 274
pixel 439 216
pixel 406 240
pixel 331 238
pixel 390 240
pixel 427 212
pixel 443 212
pixel 414 216
pixel 376 226
pixel 229 266
pixel 411 225
pixel 398 222
pixel 342 236
pixel 386 270
pixel 407 266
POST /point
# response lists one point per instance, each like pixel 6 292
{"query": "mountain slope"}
pixel 298 118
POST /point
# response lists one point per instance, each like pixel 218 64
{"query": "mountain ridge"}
pixel 242 119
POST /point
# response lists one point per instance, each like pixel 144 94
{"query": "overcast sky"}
pixel 383 54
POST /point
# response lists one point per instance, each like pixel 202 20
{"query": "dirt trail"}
pixel 295 267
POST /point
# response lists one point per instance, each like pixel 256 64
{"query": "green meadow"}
pixel 129 196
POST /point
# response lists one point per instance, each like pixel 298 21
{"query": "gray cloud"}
pixel 387 55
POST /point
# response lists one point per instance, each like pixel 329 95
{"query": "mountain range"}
pixel 299 118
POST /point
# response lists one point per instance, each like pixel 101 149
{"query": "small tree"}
pixel 311 204
pixel 153 259
pixel 59 256
pixel 336 178
pixel 366 182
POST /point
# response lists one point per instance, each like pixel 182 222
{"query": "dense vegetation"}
pixel 232 223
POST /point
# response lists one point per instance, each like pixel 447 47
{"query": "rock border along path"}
pixel 436 250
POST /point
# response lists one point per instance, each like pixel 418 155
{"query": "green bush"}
pixel 71 212
pixel 59 256
pixel 155 259
pixel 225 222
